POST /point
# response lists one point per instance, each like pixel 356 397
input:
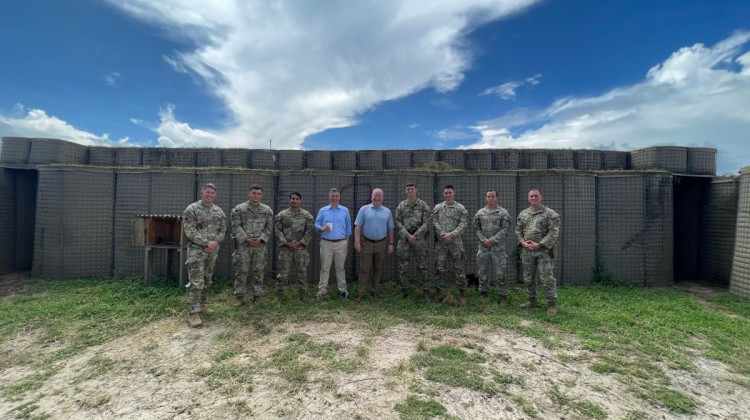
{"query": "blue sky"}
pixel 379 75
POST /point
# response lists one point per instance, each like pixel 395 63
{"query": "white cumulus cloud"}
pixel 23 122
pixel 289 69
pixel 173 133
pixel 699 96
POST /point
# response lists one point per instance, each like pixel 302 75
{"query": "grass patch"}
pixel 225 375
pixel 635 415
pixel 506 379
pixel 97 366
pixel 660 395
pixel 22 386
pixel 453 366
pixel 526 407
pixel 415 408
pixel 241 407
pixel 585 408
pixel 225 336
pixel 295 359
pixel 26 411
pixel 228 354
pixel 87 312
pixel 733 304
pixel 745 382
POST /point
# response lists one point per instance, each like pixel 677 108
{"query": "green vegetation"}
pixel 674 400
pixel 415 408
pixel 632 334
pixel 527 408
pixel 294 360
pixel 585 408
pixel 455 367
pixel 88 312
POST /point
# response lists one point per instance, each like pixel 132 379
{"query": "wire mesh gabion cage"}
pixel 717 230
pixel 740 279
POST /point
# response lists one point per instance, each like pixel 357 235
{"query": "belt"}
pixel 333 240
pixel 373 240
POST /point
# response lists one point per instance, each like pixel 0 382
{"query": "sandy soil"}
pixel 160 372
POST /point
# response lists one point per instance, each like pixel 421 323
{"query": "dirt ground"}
pixel 169 371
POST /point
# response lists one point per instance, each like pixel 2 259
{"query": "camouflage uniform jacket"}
pixel 451 219
pixel 492 225
pixel 294 226
pixel 541 226
pixel 249 221
pixel 203 224
pixel 413 219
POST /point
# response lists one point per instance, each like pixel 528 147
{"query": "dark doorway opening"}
pixel 22 187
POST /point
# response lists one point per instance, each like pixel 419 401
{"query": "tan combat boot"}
pixel 531 303
pixel 206 310
pixel 552 308
pixel 502 300
pixel 462 297
pixel 195 320
pixel 237 302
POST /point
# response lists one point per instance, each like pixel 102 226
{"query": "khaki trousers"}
pixel 332 252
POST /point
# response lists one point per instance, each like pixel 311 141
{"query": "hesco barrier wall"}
pixel 670 158
pixel 683 160
pixel 15 150
pixel 740 280
pixel 74 222
pixel 701 161
pixel 421 158
pixel 208 157
pixel 612 160
pixel 91 211
pixel 7 230
pixel 290 160
pixel 717 225
pixel 634 228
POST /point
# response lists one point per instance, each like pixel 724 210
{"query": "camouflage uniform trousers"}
pixel 540 260
pixel 492 260
pixel 244 259
pixel 200 268
pixel 292 262
pixel 409 254
pixel 455 252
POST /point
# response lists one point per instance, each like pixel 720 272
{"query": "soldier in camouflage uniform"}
pixel 204 224
pixel 413 219
pixel 491 224
pixel 450 219
pixel 294 228
pixel 537 230
pixel 252 225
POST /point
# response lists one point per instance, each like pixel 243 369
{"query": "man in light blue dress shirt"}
pixel 373 237
pixel 335 225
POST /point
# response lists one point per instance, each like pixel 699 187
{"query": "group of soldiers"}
pixel 375 232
